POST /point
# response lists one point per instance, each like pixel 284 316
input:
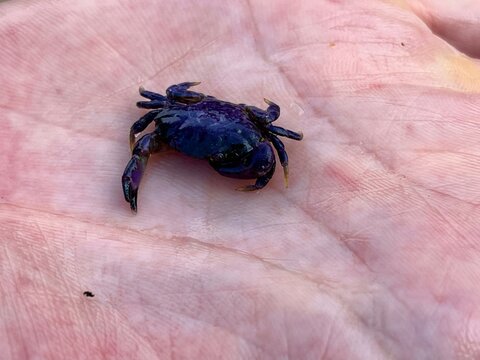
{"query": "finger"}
pixel 457 22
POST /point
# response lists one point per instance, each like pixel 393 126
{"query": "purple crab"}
pixel 235 138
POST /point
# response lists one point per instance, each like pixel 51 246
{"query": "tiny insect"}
pixel 236 139
pixel 88 294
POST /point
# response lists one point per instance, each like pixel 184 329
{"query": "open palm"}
pixel 373 250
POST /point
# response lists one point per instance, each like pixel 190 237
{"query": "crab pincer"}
pixel 147 145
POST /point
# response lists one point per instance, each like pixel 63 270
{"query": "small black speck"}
pixel 88 294
pixel 403 44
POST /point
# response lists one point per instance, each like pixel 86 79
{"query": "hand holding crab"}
pixel 234 138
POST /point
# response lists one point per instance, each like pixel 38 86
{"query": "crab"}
pixel 234 138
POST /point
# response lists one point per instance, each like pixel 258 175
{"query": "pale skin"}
pixel 371 253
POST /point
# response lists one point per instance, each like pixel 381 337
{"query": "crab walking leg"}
pixel 156 100
pixel 181 93
pixel 265 117
pixel 141 124
pixel 282 155
pixel 147 145
pixel 152 104
pixel 277 130
pixel 273 111
pixel 150 94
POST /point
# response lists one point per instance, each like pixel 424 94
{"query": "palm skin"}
pixel 372 252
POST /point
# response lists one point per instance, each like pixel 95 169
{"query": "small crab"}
pixel 234 138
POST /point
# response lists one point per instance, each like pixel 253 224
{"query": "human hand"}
pixel 370 253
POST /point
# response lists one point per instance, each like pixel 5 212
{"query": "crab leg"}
pixel 282 155
pixel 277 130
pixel 152 104
pixel 141 124
pixel 150 94
pixel 180 92
pixel 157 101
pixel 273 111
pixel 265 116
pixel 147 145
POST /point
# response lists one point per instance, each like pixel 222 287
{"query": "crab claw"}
pixel 144 147
pixel 131 180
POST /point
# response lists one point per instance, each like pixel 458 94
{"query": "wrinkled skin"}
pixel 372 253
